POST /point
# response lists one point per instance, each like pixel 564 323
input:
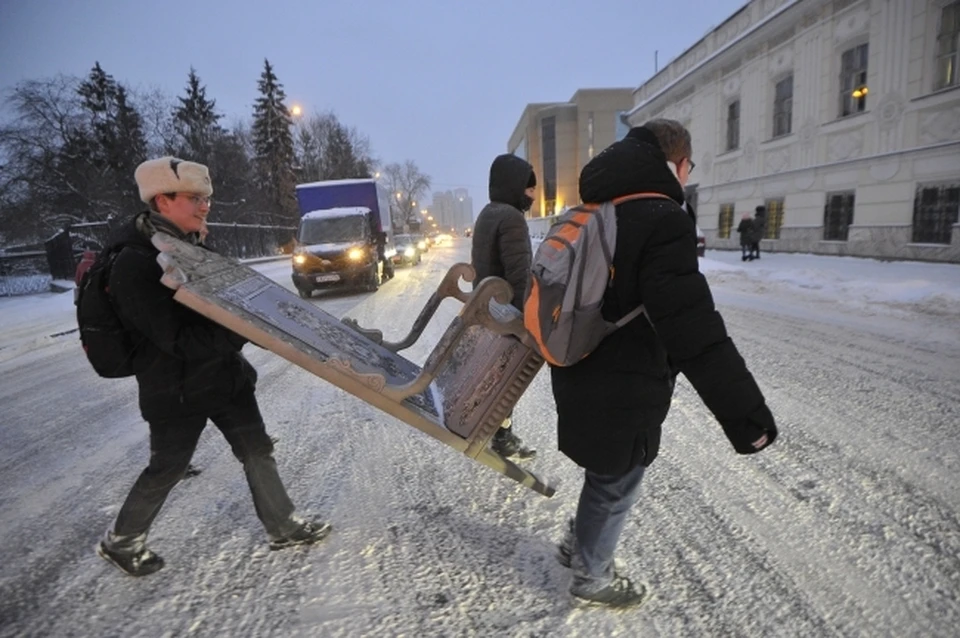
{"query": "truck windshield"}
pixel 329 230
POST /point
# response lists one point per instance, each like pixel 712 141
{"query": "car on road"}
pixel 408 250
pixel 701 243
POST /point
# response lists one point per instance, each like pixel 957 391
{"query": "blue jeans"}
pixel 601 515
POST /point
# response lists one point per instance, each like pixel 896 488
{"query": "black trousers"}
pixel 172 443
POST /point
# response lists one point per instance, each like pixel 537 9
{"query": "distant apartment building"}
pixel 452 210
pixel 558 138
pixel 842 117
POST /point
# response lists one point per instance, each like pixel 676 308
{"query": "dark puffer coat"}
pixel 612 404
pixel 185 364
pixel 501 239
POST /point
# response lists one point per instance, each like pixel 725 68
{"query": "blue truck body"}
pixel 346 193
pixel 345 235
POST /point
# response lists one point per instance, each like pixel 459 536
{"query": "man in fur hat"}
pixel 189 370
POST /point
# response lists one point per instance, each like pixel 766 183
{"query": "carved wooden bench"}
pixel 467 386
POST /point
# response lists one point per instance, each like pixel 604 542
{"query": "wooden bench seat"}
pixel 469 383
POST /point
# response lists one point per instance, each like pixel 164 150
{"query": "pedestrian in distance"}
pixel 759 230
pixel 746 229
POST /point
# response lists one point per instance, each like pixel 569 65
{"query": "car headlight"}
pixel 422 245
pixel 409 251
pixel 300 259
pixel 356 254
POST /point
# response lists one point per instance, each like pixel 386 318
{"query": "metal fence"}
pixel 57 257
pixel 246 241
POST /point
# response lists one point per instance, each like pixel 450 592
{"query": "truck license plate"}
pixel 325 278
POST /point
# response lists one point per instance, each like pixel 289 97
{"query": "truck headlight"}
pixel 300 259
pixel 356 254
pixel 409 252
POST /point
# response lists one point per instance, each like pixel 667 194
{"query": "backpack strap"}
pixel 630 316
pixel 648 195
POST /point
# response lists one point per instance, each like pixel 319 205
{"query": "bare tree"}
pixel 407 184
pixel 41 145
pixel 155 107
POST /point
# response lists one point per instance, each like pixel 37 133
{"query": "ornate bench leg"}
pixel 493 460
pixel 449 287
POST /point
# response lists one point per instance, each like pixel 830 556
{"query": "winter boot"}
pixel 308 533
pixel 619 594
pixel 510 446
pixel 129 554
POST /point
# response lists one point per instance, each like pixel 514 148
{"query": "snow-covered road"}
pixel 848 526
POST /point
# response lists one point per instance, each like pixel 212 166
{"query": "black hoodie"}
pixel 186 365
pixel 501 239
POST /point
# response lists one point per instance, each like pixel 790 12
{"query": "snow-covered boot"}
pixel 308 533
pixel 619 594
pixel 510 446
pixel 129 554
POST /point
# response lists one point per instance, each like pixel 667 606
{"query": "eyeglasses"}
pixel 196 200
pixel 691 164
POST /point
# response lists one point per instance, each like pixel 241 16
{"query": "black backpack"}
pixel 108 345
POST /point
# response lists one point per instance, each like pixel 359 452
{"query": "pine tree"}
pixel 101 157
pixel 99 94
pixel 130 149
pixel 196 122
pixel 273 149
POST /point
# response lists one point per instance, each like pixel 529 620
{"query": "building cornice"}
pixel 845 162
pixel 713 57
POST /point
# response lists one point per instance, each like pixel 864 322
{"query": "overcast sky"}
pixel 442 82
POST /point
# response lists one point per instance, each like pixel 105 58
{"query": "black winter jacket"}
pixel 612 404
pixel 747 230
pixel 185 364
pixel 501 239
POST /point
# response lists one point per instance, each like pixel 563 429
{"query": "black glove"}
pixel 754 433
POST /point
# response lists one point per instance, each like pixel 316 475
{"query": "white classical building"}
pixel 842 117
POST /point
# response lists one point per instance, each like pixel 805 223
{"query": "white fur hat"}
pixel 172 175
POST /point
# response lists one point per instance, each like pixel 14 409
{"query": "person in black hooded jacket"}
pixel 188 370
pixel 611 405
pixel 501 248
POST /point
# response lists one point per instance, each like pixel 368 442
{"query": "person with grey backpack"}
pixel 612 401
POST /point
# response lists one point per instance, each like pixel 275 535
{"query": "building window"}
pixel 837 216
pixel 774 218
pixel 548 138
pixel 733 125
pixel 948 44
pixel 726 221
pixel 783 107
pixel 935 211
pixel 853 80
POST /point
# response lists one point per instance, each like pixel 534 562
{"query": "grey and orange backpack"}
pixel 571 271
